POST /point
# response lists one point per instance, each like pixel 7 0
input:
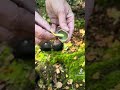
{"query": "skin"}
pixel 26 4
pixel 89 5
pixel 16 20
pixel 41 27
pixel 5 35
pixel 61 15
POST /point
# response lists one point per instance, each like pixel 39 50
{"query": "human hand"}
pixel 5 35
pixel 26 4
pixel 41 28
pixel 61 14
pixel 15 18
pixel 89 5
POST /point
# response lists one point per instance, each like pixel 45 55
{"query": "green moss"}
pixel 108 69
pixel 72 65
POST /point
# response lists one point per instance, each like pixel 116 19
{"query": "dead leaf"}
pixel 70 81
pixel 57 65
pixel 77 85
pixel 73 49
pixel 57 70
pixel 58 85
pixel 82 31
pixel 90 56
pixel 66 88
pixel 61 69
pixel 50 88
pixel 81 84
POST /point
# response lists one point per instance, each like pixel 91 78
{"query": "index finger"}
pixel 27 4
pixel 40 21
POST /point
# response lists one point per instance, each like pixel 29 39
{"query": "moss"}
pixel 108 69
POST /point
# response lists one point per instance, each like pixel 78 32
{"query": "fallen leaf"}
pixel 58 85
pixel 77 85
pixel 56 65
pixel 67 88
pixel 81 84
pixel 82 31
pixel 57 70
pixel 70 81
pixel 90 56
pixel 50 88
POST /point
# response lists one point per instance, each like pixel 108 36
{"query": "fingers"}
pixel 42 34
pixel 40 21
pixel 70 21
pixel 37 40
pixel 15 18
pixel 62 20
pixel 57 12
pixel 89 5
pixel 5 35
pixel 27 4
pixel 53 27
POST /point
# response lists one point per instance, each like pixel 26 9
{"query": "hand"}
pixel 26 4
pixel 88 9
pixel 15 18
pixel 5 35
pixel 61 14
pixel 41 28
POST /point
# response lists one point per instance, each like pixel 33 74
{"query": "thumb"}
pixel 63 21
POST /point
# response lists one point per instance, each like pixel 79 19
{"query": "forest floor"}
pixel 56 70
pixel 64 70
pixel 103 47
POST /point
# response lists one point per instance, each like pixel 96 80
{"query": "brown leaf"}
pixel 59 85
pixel 77 85
pixel 57 70
pixel 90 56
pixel 67 88
pixel 70 81
pixel 50 88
